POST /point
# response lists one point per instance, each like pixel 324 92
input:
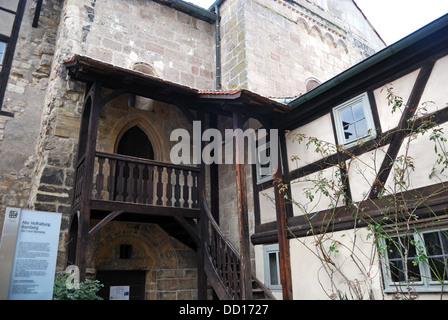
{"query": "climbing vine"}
pixel 386 239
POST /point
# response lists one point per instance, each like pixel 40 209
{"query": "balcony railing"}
pixel 129 180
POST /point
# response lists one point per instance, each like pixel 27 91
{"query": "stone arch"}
pixel 107 255
pixel 302 23
pixel 342 46
pixel 315 31
pixel 330 39
pixel 311 83
pixel 149 124
pixel 145 68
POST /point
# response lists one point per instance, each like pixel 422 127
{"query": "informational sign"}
pixel 35 253
pixel 119 293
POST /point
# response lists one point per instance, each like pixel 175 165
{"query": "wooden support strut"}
pixel 93 98
pixel 202 277
pixel 245 277
pixel 283 242
pixel 400 135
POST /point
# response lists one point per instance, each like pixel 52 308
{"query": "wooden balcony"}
pixel 139 186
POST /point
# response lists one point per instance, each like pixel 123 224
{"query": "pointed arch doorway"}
pixel 135 143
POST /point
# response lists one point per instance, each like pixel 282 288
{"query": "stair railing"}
pixel 223 262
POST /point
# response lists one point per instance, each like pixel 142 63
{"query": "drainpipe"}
pixel 218 47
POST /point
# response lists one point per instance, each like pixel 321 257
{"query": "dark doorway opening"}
pixel 135 143
pixel 135 280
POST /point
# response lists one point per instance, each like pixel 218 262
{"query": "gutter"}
pixel 191 9
pixel 370 62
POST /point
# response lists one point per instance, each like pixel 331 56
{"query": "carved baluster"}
pixel 150 185
pixel 130 183
pixel 169 188
pixel 111 179
pixel 195 190
pixel 140 183
pixel 120 180
pixel 177 188
pixel 100 178
pixel 186 189
pixel 159 201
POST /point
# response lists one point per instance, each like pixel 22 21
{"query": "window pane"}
pixel 358 111
pixel 361 128
pixel 349 131
pixel 6 22
pixel 396 259
pixel 432 243
pixel 9 4
pixel 346 115
pixel 273 267
pixel 2 53
pixel 444 237
pixel 438 269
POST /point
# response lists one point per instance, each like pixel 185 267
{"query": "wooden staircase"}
pixel 223 264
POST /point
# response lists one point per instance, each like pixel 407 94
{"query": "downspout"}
pixel 218 47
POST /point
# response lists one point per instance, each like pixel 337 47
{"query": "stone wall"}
pixel 171 267
pixel 273 47
pixel 25 96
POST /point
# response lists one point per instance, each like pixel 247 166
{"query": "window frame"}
pixel 262 179
pixel 425 284
pixel 368 115
pixel 269 249
pixel 8 55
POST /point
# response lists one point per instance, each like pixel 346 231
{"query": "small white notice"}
pixel 35 254
pixel 119 293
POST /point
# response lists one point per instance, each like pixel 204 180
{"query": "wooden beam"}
pixel 283 242
pixel 245 280
pixel 93 97
pixel 202 276
pixel 214 178
pixel 401 131
pixel 103 222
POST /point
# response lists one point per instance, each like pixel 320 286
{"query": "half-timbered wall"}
pixel 419 84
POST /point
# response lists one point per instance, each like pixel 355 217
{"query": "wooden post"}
pixel 202 277
pixel 245 277
pixel 214 178
pixel 283 242
pixel 92 101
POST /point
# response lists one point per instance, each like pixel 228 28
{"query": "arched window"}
pixel 135 143
pixel 311 83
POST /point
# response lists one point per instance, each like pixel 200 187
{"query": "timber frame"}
pixel 127 200
pixel 418 51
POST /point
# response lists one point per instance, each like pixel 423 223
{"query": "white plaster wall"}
pixel 302 205
pixel 322 129
pixel 267 205
pixel 310 279
pixel 435 96
pixel 421 150
pixel 362 172
pixel 401 87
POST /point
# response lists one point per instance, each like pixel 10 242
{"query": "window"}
pixel 11 13
pixel 271 267
pixel 425 268
pixel 264 163
pixel 2 53
pixel 354 121
pixel 125 251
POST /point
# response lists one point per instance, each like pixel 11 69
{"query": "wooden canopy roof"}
pixel 86 69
